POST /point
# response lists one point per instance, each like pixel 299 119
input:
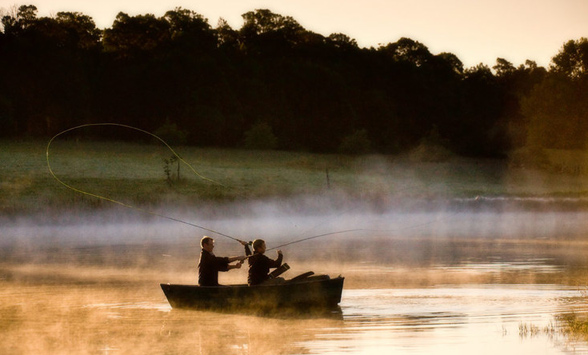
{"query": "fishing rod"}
pixel 419 225
pixel 125 204
pixel 142 210
pixel 317 236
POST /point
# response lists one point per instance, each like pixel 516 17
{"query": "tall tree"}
pixel 133 35
pixel 572 59
pixel 557 108
pixel 267 33
pixel 190 31
pixel 80 30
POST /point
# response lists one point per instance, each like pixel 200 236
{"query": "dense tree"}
pixel 516 85
pixel 557 107
pixel 190 31
pixel 47 64
pixel 274 84
pixel 134 35
pixel 479 130
pixel 408 50
pixel 342 41
pixel 79 29
pixel 228 38
pixel 572 60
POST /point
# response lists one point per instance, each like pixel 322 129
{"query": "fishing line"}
pixel 202 177
pixel 317 236
pixel 125 204
pixel 345 211
pixel 363 230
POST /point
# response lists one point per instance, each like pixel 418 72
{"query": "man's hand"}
pixel 242 242
pixel 279 252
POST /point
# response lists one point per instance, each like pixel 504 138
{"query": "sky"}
pixel 477 31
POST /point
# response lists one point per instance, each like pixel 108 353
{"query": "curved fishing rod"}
pixel 317 236
pixel 125 204
pixel 199 175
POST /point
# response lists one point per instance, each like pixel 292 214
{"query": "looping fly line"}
pixel 122 203
pixel 193 170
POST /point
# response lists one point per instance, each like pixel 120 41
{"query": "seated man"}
pixel 259 264
pixel 210 265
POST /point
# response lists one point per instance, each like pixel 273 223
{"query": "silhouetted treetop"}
pixel 276 85
pixel 572 60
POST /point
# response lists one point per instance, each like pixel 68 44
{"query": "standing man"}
pixel 210 265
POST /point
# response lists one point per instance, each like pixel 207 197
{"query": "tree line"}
pixel 272 84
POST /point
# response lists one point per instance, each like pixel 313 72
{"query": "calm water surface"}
pixel 481 319
pixel 119 318
pixel 500 292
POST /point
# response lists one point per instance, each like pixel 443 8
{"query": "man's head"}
pixel 207 243
pixel 259 246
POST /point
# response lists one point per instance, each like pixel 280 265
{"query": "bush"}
pixel 356 143
pixel 170 133
pixel 261 136
pixel 529 157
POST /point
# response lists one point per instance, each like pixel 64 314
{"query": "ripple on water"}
pixel 479 318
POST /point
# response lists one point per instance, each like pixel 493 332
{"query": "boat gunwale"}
pixel 285 283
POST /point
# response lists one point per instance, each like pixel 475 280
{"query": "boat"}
pixel 306 291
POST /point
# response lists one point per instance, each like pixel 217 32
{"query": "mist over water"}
pixel 477 240
pixel 285 221
pixel 422 276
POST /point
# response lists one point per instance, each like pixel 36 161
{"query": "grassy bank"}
pixel 136 174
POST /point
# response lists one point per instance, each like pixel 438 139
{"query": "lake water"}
pixel 415 291
pixel 481 319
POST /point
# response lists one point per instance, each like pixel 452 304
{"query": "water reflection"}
pixel 484 319
pixel 477 319
pixel 498 265
pixel 444 293
pixel 447 319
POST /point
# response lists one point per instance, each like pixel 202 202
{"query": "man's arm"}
pixel 235 258
pixel 247 246
pixel 222 263
pixel 235 266
pixel 277 262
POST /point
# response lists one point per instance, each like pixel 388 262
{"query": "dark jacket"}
pixel 259 266
pixel 208 268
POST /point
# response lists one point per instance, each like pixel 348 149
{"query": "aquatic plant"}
pixel 528 330
pixel 574 325
pixel 170 177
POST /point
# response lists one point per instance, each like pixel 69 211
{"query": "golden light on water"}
pixel 106 307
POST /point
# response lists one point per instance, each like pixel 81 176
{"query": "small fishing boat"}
pixel 302 292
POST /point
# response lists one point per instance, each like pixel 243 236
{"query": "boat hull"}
pixel 313 292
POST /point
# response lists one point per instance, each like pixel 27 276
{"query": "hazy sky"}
pixel 477 31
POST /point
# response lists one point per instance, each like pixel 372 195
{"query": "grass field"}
pixel 134 174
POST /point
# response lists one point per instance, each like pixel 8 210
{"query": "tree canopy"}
pixel 276 82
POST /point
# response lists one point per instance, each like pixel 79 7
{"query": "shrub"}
pixel 171 134
pixel 261 136
pixel 356 143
